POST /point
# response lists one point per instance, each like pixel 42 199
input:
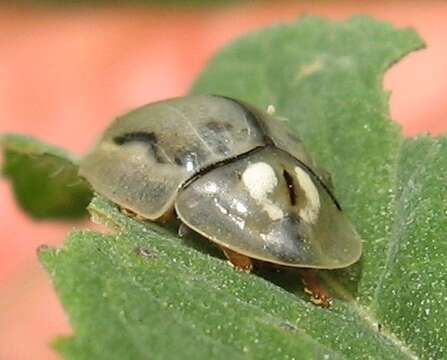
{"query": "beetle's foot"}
pixel 313 287
pixel 183 230
pixel 246 267
pixel 238 261
pixel 132 215
pixel 166 217
pixel 128 212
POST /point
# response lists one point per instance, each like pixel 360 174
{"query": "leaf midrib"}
pixel 367 313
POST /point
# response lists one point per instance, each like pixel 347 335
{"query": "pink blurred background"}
pixel 64 73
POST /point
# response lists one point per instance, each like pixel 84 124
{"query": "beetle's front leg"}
pixel 183 230
pixel 238 261
pixel 313 287
pixel 167 216
pixel 131 214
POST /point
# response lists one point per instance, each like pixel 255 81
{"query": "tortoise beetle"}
pixel 232 173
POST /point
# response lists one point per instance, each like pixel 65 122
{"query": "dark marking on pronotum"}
pixel 290 187
pixel 258 124
pixel 179 161
pixel 217 126
pixel 143 137
pixel 137 136
pixel 251 118
pixel 217 135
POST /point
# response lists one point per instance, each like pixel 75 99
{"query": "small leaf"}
pixel 44 178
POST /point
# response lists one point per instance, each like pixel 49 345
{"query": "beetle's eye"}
pixel 290 187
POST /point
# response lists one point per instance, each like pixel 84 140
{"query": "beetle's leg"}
pixel 238 261
pixel 128 212
pixel 132 214
pixel 313 287
pixel 166 217
pixel 183 230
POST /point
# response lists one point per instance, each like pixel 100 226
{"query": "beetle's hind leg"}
pixel 313 287
pixel 183 230
pixel 167 216
pixel 131 214
pixel 238 261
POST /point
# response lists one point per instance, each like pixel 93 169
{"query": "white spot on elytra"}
pixel 273 210
pixel 260 180
pixel 310 212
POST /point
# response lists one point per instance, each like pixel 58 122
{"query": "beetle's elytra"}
pixel 230 172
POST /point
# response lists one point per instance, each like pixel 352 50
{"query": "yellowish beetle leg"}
pixel 183 230
pixel 313 287
pixel 131 214
pixel 238 261
pixel 127 212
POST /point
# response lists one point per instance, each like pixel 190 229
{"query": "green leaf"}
pixel 328 84
pixel 44 178
pixel 142 293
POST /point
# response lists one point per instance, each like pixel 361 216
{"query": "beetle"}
pixel 232 173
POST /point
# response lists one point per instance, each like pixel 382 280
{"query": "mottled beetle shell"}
pixel 233 173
